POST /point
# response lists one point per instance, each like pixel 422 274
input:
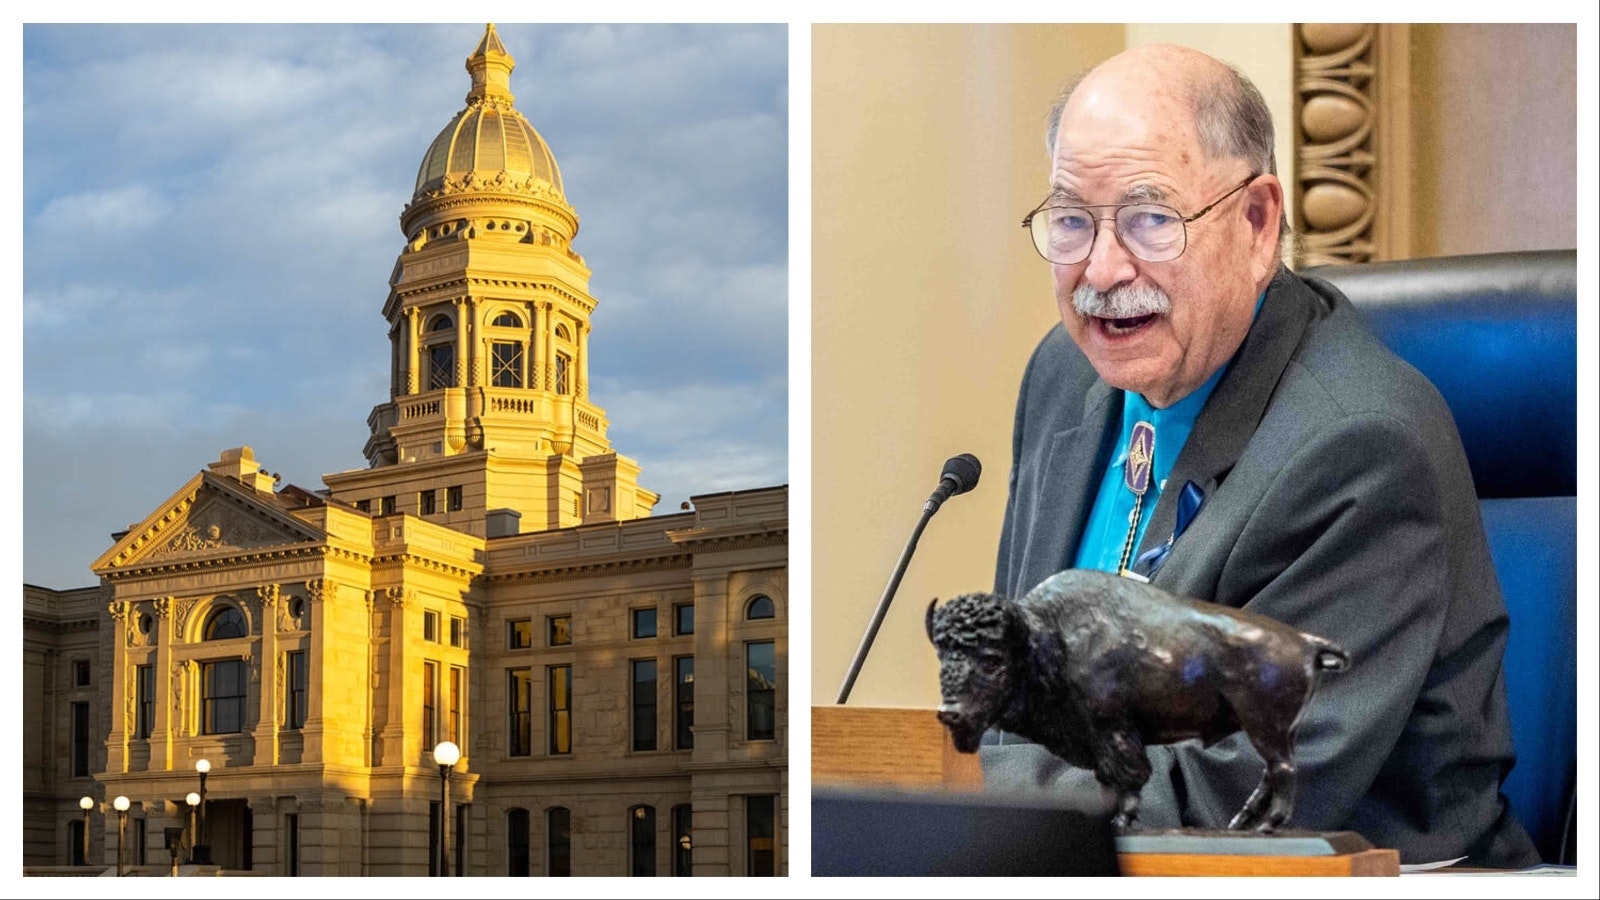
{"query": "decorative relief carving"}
pixel 213 526
pixel 180 675
pixel 399 597
pixel 1350 180
pixel 277 693
pixel 119 609
pixel 181 617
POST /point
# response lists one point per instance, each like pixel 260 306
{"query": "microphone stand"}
pixel 928 509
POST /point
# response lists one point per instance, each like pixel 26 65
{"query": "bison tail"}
pixel 1330 656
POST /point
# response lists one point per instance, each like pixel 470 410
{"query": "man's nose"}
pixel 1110 263
pixel 949 713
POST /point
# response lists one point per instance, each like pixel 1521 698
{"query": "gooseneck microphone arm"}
pixel 959 476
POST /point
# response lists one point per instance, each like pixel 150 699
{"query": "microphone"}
pixel 959 476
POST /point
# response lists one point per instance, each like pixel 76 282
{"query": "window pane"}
pixel 224 623
pixel 682 840
pixel 441 366
pixel 644 623
pixel 762 677
pixel 519 634
pixel 506 364
pixel 430 626
pixel 519 689
pixel 558 836
pixel 760 830
pixel 222 687
pixel 760 608
pixel 560 630
pixel 456 678
pixel 453 498
pixel 560 709
pixel 683 726
pixel 430 690
pixel 427 502
pixel 643 819
pixel 644 704
pixel 684 612
pixel 294 713
pixel 517 862
pixel 80 739
pixel 458 631
pixel 145 688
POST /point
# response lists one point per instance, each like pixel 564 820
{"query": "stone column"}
pixel 461 342
pixel 164 729
pixel 321 594
pixel 272 687
pixel 412 324
pixel 122 613
pixel 393 734
pixel 581 389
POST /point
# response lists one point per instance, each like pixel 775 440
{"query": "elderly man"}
pixel 1207 420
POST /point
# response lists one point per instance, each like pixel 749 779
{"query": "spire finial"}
pixel 490 66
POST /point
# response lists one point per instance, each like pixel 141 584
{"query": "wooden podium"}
pixel 878 747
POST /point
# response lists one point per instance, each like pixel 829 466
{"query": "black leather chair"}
pixel 1497 335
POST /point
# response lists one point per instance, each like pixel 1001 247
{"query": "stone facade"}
pixel 615 681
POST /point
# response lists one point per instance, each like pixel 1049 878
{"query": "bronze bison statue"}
pixel 1095 667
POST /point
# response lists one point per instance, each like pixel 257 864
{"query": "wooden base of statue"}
pixel 1288 852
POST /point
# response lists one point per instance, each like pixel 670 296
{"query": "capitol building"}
pixel 615 681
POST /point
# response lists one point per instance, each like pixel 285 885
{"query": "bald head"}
pixel 1214 103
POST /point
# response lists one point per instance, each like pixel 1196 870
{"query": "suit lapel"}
pixel 1068 484
pixel 1236 406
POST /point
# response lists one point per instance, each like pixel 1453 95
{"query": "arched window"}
pixel 760 607
pixel 558 841
pixel 224 622
pixel 507 320
pixel 517 842
pixel 642 841
pixel 682 840
pixel 440 323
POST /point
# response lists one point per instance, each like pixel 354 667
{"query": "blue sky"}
pixel 211 215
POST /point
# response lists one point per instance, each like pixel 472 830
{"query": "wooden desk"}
pixel 880 747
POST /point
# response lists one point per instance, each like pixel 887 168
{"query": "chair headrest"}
pixel 1497 334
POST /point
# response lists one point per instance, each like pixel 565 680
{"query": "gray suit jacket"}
pixel 1338 500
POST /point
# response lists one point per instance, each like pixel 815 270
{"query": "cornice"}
pixel 260 555
pixel 574 570
pixel 432 564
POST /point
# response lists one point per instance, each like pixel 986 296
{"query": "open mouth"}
pixel 1123 327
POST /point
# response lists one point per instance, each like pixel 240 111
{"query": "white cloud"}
pixel 131 207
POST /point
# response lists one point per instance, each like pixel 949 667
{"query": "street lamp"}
pixel 201 855
pixel 193 800
pixel 121 804
pixel 85 804
pixel 446 754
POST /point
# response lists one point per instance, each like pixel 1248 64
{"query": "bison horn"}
pixel 928 624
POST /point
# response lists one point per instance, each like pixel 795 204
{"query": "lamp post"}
pixel 446 754
pixel 121 804
pixel 201 855
pixel 85 804
pixel 194 801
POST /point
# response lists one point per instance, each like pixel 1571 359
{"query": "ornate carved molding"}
pixel 162 606
pixel 180 620
pixel 120 610
pixel 399 597
pixel 1352 158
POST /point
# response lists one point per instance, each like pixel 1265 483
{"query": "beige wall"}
pixel 927 150
pixel 1494 114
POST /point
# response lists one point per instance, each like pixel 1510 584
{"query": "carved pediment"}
pixel 211 517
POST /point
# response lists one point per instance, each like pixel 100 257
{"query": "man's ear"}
pixel 1264 211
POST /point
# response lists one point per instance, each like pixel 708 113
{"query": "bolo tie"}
pixel 1136 474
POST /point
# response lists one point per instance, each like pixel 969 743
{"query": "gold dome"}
pixel 489 136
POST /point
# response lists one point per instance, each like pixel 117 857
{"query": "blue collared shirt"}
pixel 1107 529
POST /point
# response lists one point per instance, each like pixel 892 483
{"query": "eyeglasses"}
pixel 1152 232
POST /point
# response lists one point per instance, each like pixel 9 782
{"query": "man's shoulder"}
pixel 1057 367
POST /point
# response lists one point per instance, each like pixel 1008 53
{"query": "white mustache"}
pixel 1123 302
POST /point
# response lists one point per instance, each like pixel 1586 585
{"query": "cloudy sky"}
pixel 211 215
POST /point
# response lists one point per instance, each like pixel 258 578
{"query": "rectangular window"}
pixel 452 498
pixel 430 626
pixel 506 367
pixel 433 838
pixel 560 709
pixel 519 634
pixel 386 506
pixel 761 676
pixel 141 842
pixel 519 700
pixel 760 829
pixel 563 366
pixel 683 699
pixel 80 673
pixel 458 677
pixel 642 840
pixel 458 631
pixel 364 505
pixel 644 623
pixel 427 502
pixel 644 704
pixel 80 739
pixel 222 686
pixel 294 700
pixel 683 840
pixel 441 366
pixel 560 630
pixel 683 618
pixel 75 835
pixel 291 828
pixel 430 690
pixel 144 687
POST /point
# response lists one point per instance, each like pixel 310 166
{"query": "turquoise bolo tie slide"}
pixel 1149 562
